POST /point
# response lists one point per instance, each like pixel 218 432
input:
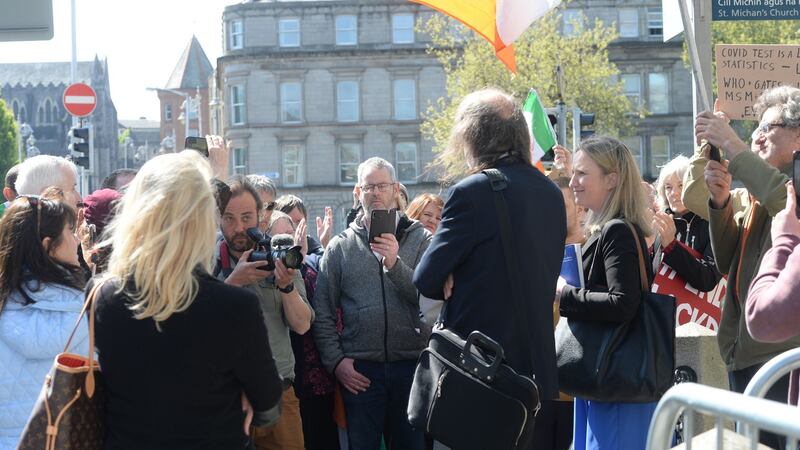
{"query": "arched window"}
pixel 40 115
pixel 23 114
pixel 15 108
pixel 48 111
pixel 54 111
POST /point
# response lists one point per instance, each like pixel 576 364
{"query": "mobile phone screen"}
pixel 198 144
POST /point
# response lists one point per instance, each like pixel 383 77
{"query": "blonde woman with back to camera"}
pixel 606 181
pixel 181 352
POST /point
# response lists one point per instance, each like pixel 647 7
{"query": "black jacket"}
pixel 613 288
pixel 692 231
pixel 467 244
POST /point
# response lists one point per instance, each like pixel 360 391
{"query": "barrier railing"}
pixel 692 398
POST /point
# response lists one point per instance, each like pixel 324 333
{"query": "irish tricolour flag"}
pixel 501 22
pixel 543 138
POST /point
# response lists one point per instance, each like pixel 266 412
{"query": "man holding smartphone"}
pixel 375 355
pixel 740 219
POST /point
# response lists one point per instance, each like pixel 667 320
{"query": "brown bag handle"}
pixel 642 269
pixel 89 304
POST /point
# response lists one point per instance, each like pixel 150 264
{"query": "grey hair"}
pixel 376 163
pixel 678 167
pixel 263 184
pixel 42 171
pixel 787 98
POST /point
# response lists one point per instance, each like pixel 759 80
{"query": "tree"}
pixel 470 64
pixel 8 139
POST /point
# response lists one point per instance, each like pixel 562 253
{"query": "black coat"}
pixel 692 231
pixel 467 244
pixel 613 289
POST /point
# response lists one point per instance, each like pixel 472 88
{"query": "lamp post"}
pixel 25 130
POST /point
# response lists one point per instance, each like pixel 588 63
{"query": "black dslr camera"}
pixel 269 249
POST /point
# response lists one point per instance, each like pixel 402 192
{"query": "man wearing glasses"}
pixel 375 355
pixel 740 219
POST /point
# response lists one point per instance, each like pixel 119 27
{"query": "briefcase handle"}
pixel 476 367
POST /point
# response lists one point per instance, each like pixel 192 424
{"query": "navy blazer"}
pixel 468 245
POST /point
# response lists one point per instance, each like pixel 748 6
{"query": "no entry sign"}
pixel 80 99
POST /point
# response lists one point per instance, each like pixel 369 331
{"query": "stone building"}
pixel 308 90
pixel 653 74
pixel 34 92
pixel 184 98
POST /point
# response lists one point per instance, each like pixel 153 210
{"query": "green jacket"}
pixel 767 185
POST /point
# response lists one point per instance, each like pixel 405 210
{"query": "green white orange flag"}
pixel 501 22
pixel 543 138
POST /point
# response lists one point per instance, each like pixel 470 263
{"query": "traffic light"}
pixel 587 120
pixel 81 146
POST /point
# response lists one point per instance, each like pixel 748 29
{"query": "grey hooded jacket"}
pixel 380 308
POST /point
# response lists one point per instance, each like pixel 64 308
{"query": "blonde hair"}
pixel 677 167
pixel 163 232
pixel 627 200
pixel 415 208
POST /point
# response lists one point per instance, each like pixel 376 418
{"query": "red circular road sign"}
pixel 79 99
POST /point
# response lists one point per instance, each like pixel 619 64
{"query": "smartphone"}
pixel 713 152
pixel 198 144
pixel 796 178
pixel 382 221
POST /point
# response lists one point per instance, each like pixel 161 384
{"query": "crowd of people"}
pixel 210 335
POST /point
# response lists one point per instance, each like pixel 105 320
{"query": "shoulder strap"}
pixel 499 183
pixel 91 305
pixel 642 269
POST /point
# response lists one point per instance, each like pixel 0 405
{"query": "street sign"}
pixel 755 10
pixel 80 99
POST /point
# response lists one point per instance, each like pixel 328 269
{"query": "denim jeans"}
pixel 381 409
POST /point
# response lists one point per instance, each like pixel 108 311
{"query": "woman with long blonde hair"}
pixel 606 181
pixel 180 350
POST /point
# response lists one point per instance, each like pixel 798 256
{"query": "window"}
pixel 168 112
pixel 15 108
pixel 572 22
pixel 292 165
pixel 405 100
pixel 406 161
pixel 347 101
pixel 55 112
pixel 239 161
pixel 659 154
pixel 236 35
pixel 655 22
pixel 291 102
pixel 658 93
pixel 634 144
pixel 346 30
pixel 403 28
pixel 190 107
pixel 349 159
pixel 23 114
pixel 237 105
pixel 632 86
pixel 628 23
pixel 289 32
pixel 47 112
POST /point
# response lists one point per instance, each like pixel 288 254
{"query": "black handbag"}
pixel 463 394
pixel 629 362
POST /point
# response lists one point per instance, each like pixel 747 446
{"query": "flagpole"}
pixel 694 57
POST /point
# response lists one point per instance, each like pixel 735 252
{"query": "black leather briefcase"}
pixel 465 397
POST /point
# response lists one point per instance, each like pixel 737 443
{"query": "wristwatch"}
pixel 289 288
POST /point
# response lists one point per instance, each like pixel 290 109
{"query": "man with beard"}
pixel 375 355
pixel 283 301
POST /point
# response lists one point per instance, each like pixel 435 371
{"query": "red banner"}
pixel 693 305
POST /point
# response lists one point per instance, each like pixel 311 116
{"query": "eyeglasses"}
pixel 764 128
pixel 35 203
pixel 381 187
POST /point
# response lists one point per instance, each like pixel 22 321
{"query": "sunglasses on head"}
pixel 34 201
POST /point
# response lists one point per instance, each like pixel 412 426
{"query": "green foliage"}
pixel 470 64
pixel 8 139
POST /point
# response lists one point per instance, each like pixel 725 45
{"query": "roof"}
pixel 140 123
pixel 192 70
pixel 34 74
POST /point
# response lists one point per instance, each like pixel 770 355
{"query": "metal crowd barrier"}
pixel 691 398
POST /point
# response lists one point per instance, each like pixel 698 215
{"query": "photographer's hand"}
pixel 283 274
pixel 247 272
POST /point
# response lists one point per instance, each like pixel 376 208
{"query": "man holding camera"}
pixel 283 301
pixel 375 355
pixel 739 219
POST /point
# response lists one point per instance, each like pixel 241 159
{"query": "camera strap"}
pixel 225 259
